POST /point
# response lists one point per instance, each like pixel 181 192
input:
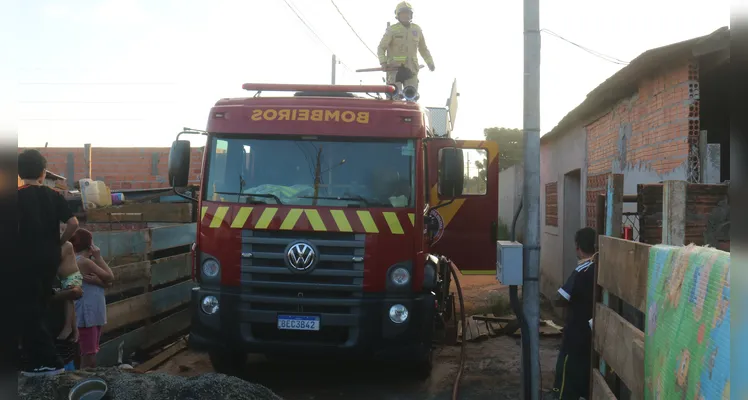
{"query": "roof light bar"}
pixel 281 87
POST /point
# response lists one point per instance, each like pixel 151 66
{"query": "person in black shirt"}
pixel 41 211
pixel 576 295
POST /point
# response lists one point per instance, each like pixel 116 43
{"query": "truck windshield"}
pixel 306 171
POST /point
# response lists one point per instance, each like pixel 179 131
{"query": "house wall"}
pixel 559 156
pixel 646 137
pixel 119 167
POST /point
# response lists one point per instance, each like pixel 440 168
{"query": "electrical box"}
pixel 509 263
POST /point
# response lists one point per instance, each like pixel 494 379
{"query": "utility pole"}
pixel 334 67
pixel 531 193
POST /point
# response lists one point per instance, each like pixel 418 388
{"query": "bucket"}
pixel 118 198
pixel 89 389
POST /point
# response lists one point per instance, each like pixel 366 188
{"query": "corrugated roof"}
pixel 625 82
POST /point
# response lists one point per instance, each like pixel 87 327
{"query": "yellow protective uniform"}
pixel 400 46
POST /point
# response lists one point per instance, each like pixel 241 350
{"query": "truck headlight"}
pixel 211 268
pixel 400 276
pixel 398 313
pixel 209 305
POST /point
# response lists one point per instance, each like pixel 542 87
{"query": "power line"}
pixel 588 50
pixel 353 30
pixel 298 15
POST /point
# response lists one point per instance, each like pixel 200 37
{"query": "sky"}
pixel 133 73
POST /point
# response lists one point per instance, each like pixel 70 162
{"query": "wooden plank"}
pixel 143 212
pixel 600 389
pixel 170 269
pixel 173 236
pixel 170 297
pixel 162 357
pixel 623 270
pixel 130 276
pixel 143 338
pixel 121 243
pixel 126 312
pixel 621 345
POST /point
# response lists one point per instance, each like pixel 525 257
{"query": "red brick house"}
pixel 662 117
pixel 119 167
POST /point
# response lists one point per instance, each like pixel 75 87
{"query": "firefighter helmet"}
pixel 403 6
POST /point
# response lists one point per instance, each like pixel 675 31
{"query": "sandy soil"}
pixel 492 370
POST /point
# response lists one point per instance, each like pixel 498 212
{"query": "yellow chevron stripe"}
pixel 202 212
pixel 266 218
pixel 241 217
pixel 477 272
pixel 367 221
pixel 393 222
pixel 448 211
pixel 291 219
pixel 218 217
pixel 341 220
pixel 315 220
pixel 412 218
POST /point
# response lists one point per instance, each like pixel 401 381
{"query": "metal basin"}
pixel 89 389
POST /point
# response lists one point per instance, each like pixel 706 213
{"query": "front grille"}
pixel 332 290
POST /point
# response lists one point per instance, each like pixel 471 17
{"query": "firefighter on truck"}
pixel 320 233
pixel 400 46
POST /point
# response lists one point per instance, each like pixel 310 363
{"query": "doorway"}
pixel 572 221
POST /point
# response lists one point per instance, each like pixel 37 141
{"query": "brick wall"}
pixel 551 204
pixel 119 167
pixel 652 130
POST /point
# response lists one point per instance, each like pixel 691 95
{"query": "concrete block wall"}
pixel 119 167
pixel 649 137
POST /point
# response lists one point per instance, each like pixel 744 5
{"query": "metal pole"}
pixel 334 67
pixel 531 192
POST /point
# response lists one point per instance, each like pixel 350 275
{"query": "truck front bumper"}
pixel 367 331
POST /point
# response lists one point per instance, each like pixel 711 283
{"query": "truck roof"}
pixel 319 112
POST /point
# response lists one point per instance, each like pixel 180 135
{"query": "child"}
pixel 576 295
pixel 90 309
pixel 41 210
pixel 70 277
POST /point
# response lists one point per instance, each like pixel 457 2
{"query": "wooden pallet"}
pixel 482 327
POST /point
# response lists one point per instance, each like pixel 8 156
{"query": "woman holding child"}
pixel 90 310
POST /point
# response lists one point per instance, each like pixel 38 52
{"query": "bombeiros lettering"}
pixel 314 115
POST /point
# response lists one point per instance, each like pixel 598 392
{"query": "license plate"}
pixel 298 323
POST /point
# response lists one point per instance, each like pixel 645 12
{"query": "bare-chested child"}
pixel 70 277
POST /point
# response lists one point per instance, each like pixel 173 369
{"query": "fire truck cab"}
pixel 328 222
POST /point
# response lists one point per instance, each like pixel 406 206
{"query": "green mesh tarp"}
pixel 687 345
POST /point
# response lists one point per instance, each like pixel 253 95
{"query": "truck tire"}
pixel 423 366
pixel 228 363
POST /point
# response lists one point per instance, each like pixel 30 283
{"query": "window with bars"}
pixel 551 204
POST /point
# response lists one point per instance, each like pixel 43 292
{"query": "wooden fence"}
pixel 147 303
pixel 618 345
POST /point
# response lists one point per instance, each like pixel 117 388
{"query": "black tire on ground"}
pixel 423 366
pixel 228 363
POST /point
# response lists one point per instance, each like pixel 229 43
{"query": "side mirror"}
pixel 451 172
pixel 179 163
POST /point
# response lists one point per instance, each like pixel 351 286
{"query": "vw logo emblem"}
pixel 301 256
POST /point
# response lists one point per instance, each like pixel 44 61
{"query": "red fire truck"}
pixel 329 219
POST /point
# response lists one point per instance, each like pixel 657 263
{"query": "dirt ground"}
pixel 492 370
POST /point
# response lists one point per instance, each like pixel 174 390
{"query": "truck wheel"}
pixel 228 363
pixel 423 366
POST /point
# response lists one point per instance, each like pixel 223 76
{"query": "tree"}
pixel 510 145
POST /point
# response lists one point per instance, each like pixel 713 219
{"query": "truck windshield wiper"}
pixel 263 195
pixel 346 198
